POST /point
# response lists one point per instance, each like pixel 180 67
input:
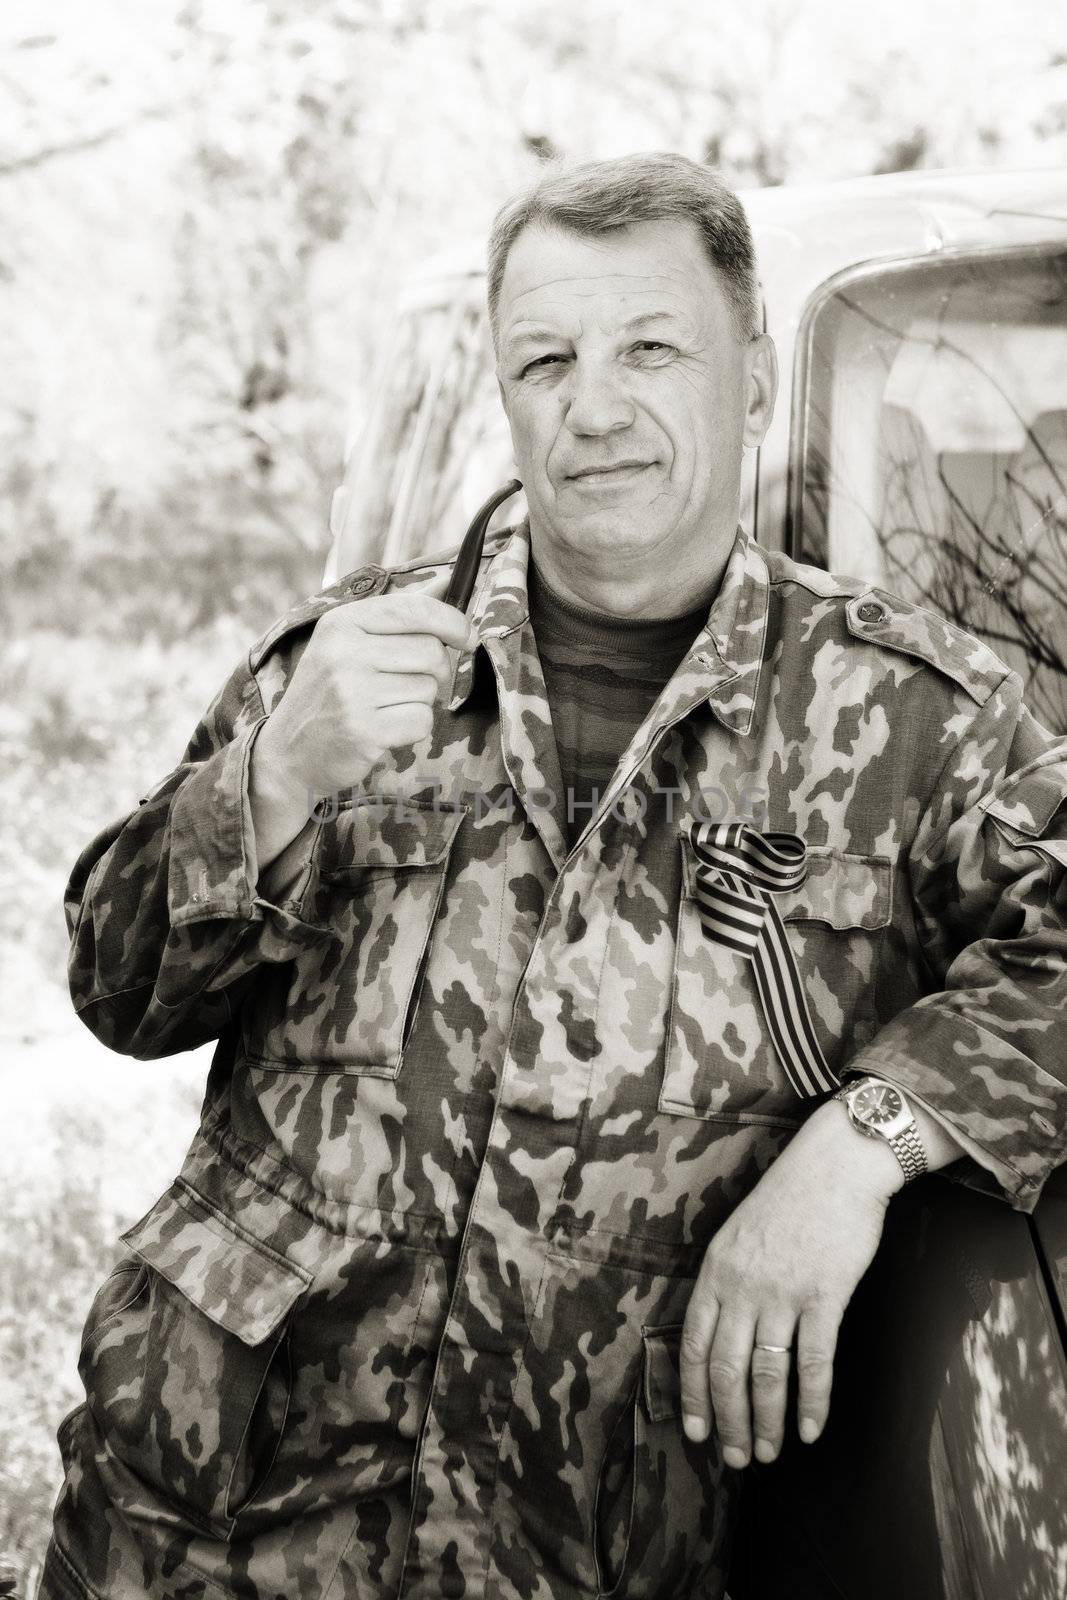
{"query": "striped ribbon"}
pixel 740 872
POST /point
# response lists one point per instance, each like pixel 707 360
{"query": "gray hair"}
pixel 597 197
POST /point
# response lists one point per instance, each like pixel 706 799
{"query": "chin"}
pixel 612 532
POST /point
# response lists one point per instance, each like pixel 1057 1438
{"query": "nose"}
pixel 596 401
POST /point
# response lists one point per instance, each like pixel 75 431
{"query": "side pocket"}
pixel 613 1511
pixel 122 1288
pixel 663 1504
pixel 186 1366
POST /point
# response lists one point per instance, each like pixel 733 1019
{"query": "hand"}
pixel 783 1267
pixel 365 684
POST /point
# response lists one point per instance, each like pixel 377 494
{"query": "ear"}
pixel 761 389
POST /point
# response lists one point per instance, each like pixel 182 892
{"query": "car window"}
pixel 932 452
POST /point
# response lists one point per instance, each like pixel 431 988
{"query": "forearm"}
pixel 829 1137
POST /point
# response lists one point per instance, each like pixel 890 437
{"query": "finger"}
pixel 769 1384
pixel 403 688
pixel 816 1345
pixel 697 1334
pixel 728 1372
pixel 410 724
pixel 414 652
pixel 414 613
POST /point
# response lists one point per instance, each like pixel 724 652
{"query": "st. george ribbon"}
pixel 740 871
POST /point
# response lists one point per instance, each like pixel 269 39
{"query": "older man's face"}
pixel 630 400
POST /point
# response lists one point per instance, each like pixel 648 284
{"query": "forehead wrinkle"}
pixel 588 287
pixel 538 322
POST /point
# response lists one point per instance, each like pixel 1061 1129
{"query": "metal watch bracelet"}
pixel 908 1149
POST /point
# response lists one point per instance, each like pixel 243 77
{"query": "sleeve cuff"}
pixel 286 881
pixel 213 871
pixel 1009 1123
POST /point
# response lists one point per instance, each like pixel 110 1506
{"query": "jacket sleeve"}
pixel 986 1050
pixel 168 920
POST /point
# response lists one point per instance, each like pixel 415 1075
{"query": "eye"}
pixel 551 358
pixel 651 347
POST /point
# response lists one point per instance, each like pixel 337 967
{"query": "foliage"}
pixel 206 208
pixel 69 763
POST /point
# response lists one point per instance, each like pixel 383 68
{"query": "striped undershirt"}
pixel 602 675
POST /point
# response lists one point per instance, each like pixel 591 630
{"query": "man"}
pixel 521 1185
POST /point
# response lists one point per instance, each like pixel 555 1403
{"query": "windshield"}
pixel 933 450
pixel 437 442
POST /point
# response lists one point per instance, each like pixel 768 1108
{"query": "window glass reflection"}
pixel 936 451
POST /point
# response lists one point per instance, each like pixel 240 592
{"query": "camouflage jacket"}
pixel 407 1323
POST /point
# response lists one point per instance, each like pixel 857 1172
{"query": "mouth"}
pixel 616 472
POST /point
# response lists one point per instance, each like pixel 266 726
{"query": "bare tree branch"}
pixel 74 147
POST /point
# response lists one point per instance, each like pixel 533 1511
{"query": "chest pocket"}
pixel 351 1000
pixel 720 1062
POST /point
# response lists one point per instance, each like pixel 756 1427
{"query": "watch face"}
pixel 877 1104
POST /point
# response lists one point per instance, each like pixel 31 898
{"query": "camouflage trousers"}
pixel 264 1444
pixel 356 1554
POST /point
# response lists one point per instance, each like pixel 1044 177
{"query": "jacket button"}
pixel 360 585
pixel 870 611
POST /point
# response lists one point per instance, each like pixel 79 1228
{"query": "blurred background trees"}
pixel 205 209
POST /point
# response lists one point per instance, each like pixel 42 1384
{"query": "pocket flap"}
pixel 844 891
pixel 1027 801
pixel 380 833
pixel 663 1375
pixel 240 1283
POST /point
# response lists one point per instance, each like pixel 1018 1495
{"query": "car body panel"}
pixel 940 1473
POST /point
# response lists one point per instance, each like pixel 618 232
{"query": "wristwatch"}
pixel 879 1110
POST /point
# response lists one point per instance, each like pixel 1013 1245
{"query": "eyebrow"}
pixel 534 335
pixel 539 333
pixel 643 319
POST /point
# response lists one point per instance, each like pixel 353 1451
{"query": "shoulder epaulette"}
pixel 895 624
pixel 356 585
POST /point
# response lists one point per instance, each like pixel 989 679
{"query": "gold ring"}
pixel 779 1349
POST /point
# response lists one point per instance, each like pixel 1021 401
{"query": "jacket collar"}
pixel 500 605
pixel 722 665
